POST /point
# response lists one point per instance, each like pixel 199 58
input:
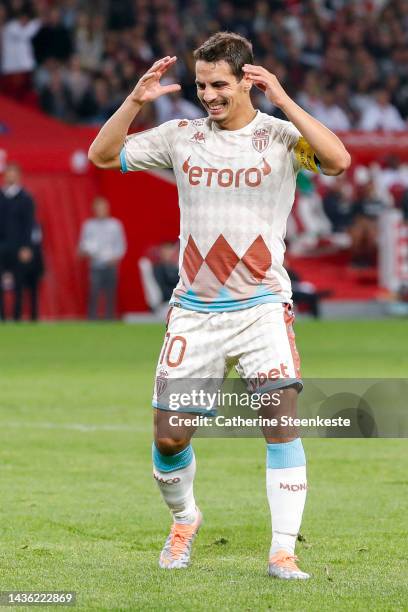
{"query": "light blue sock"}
pixel 285 455
pixel 169 463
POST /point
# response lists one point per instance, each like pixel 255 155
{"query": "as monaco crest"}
pixel 260 139
pixel 161 382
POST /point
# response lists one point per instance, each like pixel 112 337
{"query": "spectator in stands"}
pixel 17 57
pixel 102 103
pixel 310 94
pixel 312 225
pixel 103 242
pixel 337 204
pixel 329 112
pixel 69 13
pixel 392 174
pixel 349 48
pixel 175 107
pixel 165 270
pixel 364 228
pixel 90 40
pixel 16 225
pixel 305 293
pixel 56 98
pixel 398 91
pixel 382 115
pixel 53 39
pixel 77 82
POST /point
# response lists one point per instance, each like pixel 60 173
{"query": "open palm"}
pixel 148 87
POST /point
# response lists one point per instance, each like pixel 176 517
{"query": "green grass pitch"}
pixel 80 511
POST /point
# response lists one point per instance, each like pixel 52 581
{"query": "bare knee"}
pixel 168 446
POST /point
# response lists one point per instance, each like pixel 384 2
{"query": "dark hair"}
pixel 232 48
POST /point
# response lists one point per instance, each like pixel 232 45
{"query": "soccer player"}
pixel 236 174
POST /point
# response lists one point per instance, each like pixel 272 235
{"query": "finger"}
pixel 258 78
pixel 253 66
pixel 148 76
pixel 166 65
pixel 164 61
pixel 255 70
pixel 160 64
pixel 259 82
pixel 161 61
pixel 171 88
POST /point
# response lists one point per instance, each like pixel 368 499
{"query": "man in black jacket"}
pixel 16 224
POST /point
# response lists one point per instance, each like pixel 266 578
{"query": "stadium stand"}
pixel 345 62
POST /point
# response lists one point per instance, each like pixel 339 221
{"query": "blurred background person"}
pixel 382 115
pixel 337 204
pixel 103 242
pixel 364 228
pixel 305 294
pixel 165 269
pixel 17 54
pixel 175 106
pixel 16 225
pixel 34 270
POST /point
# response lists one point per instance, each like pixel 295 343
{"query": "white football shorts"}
pixel 259 342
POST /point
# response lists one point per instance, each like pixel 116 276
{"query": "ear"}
pixel 247 83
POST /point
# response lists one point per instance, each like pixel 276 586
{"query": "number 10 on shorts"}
pixel 173 350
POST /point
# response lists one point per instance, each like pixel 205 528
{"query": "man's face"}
pixel 12 176
pixel 101 208
pixel 219 91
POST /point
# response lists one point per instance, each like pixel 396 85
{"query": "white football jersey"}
pixel 236 190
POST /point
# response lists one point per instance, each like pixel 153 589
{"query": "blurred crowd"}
pixel 343 212
pixel 344 61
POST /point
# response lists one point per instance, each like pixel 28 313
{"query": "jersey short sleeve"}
pixel 148 150
pixel 303 155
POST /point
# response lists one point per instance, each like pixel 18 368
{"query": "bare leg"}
pixel 287 407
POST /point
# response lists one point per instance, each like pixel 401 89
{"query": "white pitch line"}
pixel 82 427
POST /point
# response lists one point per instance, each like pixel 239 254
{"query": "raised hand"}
pixel 266 82
pixel 148 87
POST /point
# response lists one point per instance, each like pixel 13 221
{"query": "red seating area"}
pixel 334 272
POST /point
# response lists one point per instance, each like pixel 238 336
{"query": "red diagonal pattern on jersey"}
pixel 258 258
pixel 192 260
pixel 221 259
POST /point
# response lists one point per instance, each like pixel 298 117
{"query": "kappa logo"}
pixel 260 139
pixel 182 123
pixel 198 137
pixel 302 486
pixel 161 382
pixel 225 177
